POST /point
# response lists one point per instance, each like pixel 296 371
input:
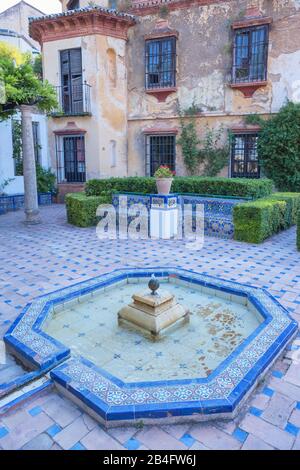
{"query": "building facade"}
pixel 14 31
pixel 125 78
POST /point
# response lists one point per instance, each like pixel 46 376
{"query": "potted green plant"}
pixel 164 178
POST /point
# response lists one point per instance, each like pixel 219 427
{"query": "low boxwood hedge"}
pixel 292 207
pixel 257 220
pixel 238 187
pixel 81 210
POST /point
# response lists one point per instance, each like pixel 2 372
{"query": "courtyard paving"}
pixel 40 259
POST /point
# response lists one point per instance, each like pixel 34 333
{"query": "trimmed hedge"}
pixel 81 210
pixel 298 231
pixel 238 187
pixel 292 207
pixel 257 220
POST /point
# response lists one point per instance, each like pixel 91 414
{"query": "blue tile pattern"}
pixel 292 429
pixel 16 201
pixel 217 211
pixel 78 446
pixel 112 399
pixel 35 411
pixel 255 411
pixel 3 432
pixel 187 440
pixel 53 430
pixel 240 435
pixel 219 393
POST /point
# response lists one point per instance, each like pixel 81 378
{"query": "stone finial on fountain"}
pixel 153 285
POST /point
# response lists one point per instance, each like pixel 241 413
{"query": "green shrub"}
pixel 292 207
pixel 81 210
pixel 133 184
pixel 45 180
pixel 239 187
pixel 255 221
pixel 298 231
pixel 279 147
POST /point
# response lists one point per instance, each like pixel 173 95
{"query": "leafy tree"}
pixel 21 88
pixel 279 147
pixel 22 85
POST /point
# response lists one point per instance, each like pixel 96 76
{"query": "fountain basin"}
pixel 187 384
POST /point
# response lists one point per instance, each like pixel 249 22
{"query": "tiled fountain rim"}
pixel 113 399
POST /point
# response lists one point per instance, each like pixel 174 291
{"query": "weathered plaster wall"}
pixel 204 51
pixel 16 19
pixel 204 70
pixel 104 69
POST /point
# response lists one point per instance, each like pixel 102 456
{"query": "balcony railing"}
pixel 74 100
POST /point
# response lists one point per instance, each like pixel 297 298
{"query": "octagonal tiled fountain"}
pixel 199 369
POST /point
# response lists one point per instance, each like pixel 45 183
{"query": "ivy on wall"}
pixel 207 151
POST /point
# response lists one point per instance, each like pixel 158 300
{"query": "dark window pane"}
pixel 71 160
pixel 244 157
pixel 36 142
pixel 161 63
pixel 161 152
pixel 71 81
pixel 250 54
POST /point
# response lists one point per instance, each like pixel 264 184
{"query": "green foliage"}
pixel 45 180
pixel 164 172
pixel 240 187
pixel 17 146
pixel 81 210
pixel 207 151
pixel 279 148
pixel 37 66
pixel 189 142
pixel 292 207
pixel 96 187
pixel 22 85
pixel 255 221
pixel 298 231
pixel 212 154
pixel 164 11
pixel 254 119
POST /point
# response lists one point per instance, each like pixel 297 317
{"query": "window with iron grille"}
pixel 160 150
pixel 250 54
pixel 160 63
pixel 70 159
pixel 244 156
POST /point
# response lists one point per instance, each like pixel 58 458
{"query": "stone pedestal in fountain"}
pixel 163 216
pixel 153 312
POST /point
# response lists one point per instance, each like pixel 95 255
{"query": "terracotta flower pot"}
pixel 163 185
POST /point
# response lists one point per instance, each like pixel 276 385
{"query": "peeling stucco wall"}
pixel 204 58
pixel 108 121
pixel 121 109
